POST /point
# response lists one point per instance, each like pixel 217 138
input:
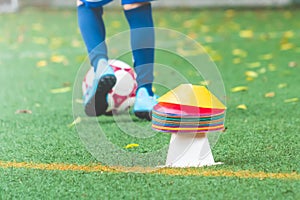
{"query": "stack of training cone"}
pixel 188 109
pixel 189 112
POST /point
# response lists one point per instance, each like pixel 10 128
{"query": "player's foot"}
pixel 144 104
pixel 95 101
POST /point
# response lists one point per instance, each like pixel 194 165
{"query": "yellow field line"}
pixel 165 171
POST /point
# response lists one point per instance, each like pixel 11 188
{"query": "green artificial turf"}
pixel 264 137
pixel 35 184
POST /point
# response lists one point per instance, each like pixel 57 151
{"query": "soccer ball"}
pixel 122 95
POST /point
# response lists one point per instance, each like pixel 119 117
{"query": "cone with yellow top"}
pixel 189 112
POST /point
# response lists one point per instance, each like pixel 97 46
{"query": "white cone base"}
pixel 189 150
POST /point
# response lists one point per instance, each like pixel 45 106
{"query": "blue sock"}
pixel 92 29
pixel 142 44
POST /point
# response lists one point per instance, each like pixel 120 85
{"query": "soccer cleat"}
pixel 95 101
pixel 144 104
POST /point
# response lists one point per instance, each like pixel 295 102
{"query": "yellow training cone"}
pixel 192 95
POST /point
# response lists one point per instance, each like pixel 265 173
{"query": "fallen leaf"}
pixel 242 107
pixel 23 112
pixel 292 64
pixel 57 58
pixel 229 13
pixel 56 42
pixel 268 56
pixel 239 89
pixel 254 65
pixel 287 14
pixel 76 43
pixel 205 83
pixel 208 39
pixel 76 121
pixel 60 90
pixel 42 63
pixel 282 85
pixel 239 52
pixel 251 74
pixel 270 94
pixel 189 23
pixel 204 29
pixel 262 70
pixel 288 34
pixel 249 78
pixel 236 61
pixel 66 84
pixel 272 67
pixel 246 34
pixel 291 100
pixel 80 101
pixel 216 57
pixel 286 46
pixel 129 146
pixel 192 35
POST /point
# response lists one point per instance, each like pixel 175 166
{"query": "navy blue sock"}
pixel 92 29
pixel 142 44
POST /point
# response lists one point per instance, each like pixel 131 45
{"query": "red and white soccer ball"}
pixel 122 95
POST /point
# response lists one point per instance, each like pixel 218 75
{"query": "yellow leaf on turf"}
pixel 262 70
pixel 129 146
pixel 76 43
pixel 270 94
pixel 56 42
pixel 236 61
pixel 229 13
pixel 57 58
pixel 239 89
pixel 254 65
pixel 272 67
pixel 282 85
pixel 204 83
pixel 292 64
pixel 251 74
pixel 216 57
pixel 249 78
pixel 288 34
pixel 291 100
pixel 41 63
pixel 192 35
pixel 239 52
pixel 242 107
pixel 76 121
pixel 208 39
pixel 268 56
pixel 60 90
pixel 204 28
pixel 246 34
pixel 80 101
pixel 286 46
pixel 190 23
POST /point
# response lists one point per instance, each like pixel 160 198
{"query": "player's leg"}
pixel 139 16
pixel 92 29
